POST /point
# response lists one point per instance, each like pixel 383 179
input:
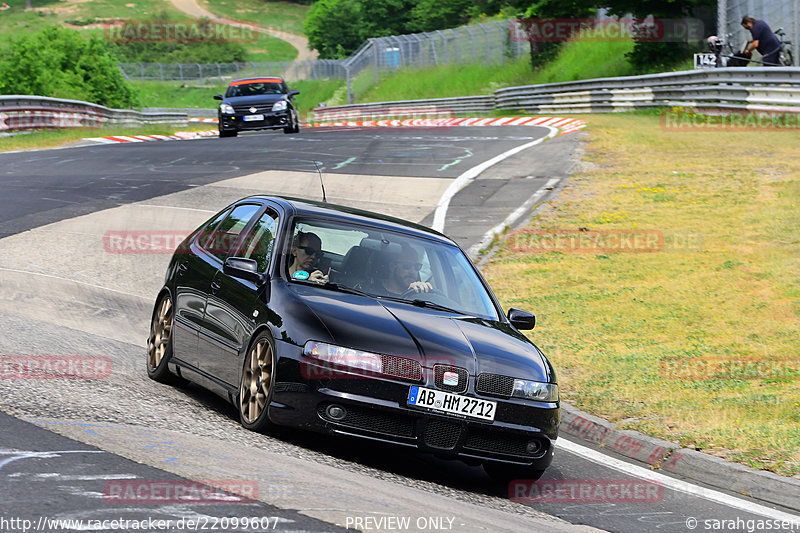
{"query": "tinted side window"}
pixel 224 239
pixel 206 232
pixel 258 242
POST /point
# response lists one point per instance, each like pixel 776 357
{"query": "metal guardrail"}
pixel 415 108
pixel 758 88
pixel 20 112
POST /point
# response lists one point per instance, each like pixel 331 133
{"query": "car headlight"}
pixel 336 355
pixel 280 105
pixel 226 109
pixel 534 390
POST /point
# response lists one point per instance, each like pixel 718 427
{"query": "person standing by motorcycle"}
pixel 764 40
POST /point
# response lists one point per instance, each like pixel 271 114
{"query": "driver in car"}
pixel 306 251
pixel 403 274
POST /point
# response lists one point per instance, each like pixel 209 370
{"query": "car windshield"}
pixel 387 264
pixel 254 88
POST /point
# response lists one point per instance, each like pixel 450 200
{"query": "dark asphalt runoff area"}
pixel 52 483
pixel 46 186
pixel 47 475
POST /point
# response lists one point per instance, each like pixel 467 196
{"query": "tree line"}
pixel 336 28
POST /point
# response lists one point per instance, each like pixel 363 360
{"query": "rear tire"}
pixel 159 343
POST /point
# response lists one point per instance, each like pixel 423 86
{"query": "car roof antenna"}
pixel 322 184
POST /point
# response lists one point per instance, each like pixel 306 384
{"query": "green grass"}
pixel 16 21
pixel 269 48
pixel 284 16
pixel 577 60
pixel 724 287
pixel 175 95
pixel 54 138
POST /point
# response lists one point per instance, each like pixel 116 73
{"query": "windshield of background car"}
pixel 385 264
pixel 255 88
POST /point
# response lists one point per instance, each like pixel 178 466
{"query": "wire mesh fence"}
pixel 491 43
pixel 222 72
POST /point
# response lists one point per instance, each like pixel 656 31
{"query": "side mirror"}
pixel 246 269
pixel 521 319
pixel 217 97
pixel 293 92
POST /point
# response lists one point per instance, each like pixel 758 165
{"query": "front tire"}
pixel 159 343
pixel 256 384
pixel 228 133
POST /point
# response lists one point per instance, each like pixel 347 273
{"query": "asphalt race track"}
pixel 64 292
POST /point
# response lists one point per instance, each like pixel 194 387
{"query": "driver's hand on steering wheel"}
pixel 420 286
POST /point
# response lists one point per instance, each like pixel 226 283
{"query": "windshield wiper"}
pixel 431 305
pixel 344 288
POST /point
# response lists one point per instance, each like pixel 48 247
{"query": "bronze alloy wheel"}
pixel 256 386
pixel 159 343
pixel 160 332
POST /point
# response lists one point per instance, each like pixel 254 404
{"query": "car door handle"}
pixel 215 287
pixel 182 268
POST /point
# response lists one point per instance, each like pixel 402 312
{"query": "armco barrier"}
pixel 18 113
pixel 758 88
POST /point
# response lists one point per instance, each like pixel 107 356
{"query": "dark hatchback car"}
pixel 327 348
pixel 257 104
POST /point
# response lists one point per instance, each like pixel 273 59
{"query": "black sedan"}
pixel 257 104
pixel 347 322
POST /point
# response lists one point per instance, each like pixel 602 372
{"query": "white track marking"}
pixel 672 483
pixel 461 181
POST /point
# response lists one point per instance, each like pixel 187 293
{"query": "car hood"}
pixel 427 335
pixel 257 99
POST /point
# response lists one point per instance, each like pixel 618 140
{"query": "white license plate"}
pixel 455 404
pixel 248 118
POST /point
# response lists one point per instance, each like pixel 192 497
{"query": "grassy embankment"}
pixel 284 16
pixel 696 343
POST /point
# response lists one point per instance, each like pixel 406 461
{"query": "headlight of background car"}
pixel 365 361
pixel 226 109
pixel 534 390
pixel 280 105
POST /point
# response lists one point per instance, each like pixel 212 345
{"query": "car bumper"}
pixel 522 433
pixel 271 121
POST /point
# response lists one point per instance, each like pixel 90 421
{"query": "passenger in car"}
pixel 403 274
pixel 306 251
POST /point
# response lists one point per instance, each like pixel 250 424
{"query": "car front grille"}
pixel 438 376
pixel 442 434
pixel 244 109
pixel 372 420
pixel 401 367
pixel 495 385
pixel 501 442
